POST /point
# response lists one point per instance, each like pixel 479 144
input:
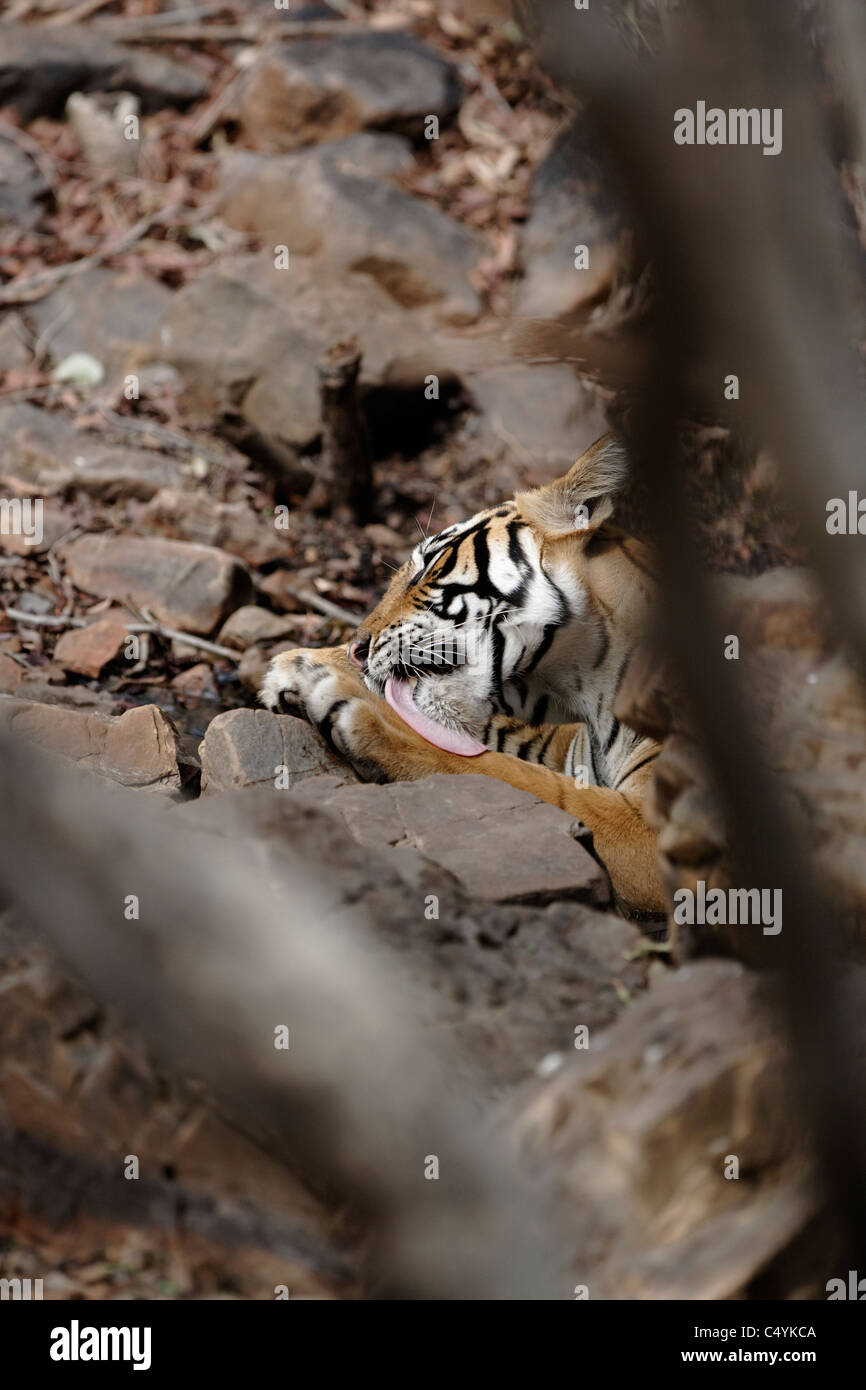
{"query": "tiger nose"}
pixel 358 652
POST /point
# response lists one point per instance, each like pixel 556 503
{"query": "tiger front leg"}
pixel 321 686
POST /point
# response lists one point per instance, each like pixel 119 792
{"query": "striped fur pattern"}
pixel 516 626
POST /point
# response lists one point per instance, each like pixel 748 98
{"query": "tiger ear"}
pixel 584 497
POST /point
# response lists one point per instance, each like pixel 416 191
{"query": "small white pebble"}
pixel 549 1064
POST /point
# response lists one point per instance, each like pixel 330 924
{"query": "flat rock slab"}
pixel 137 749
pixel 43 450
pixel 503 845
pixel 39 68
pixel 314 89
pixel 323 202
pixel 193 587
pixel 246 747
pixel 505 982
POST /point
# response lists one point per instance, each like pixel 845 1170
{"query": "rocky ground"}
pixel 164 303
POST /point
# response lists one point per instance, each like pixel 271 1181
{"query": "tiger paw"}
pixel 316 685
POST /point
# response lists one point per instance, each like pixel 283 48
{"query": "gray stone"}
pixel 635 1130
pixel 43 450
pixel 23 188
pixel 250 624
pixel 110 314
pixel 39 67
pixel 503 845
pixel 138 749
pixel 193 587
pixel 312 89
pixel 571 204
pixel 15 353
pixel 322 202
pixel 506 982
pixel 247 338
pixel 249 746
pixel 545 415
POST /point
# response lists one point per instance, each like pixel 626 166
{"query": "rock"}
pixel 40 67
pixel 109 314
pixel 23 188
pixel 399 348
pixel 233 526
pixel 249 625
pixel 39 685
pixel 42 450
pixel 221 335
pixel 196 683
pixel 273 586
pixel 636 1129
pixel 311 89
pixel 249 746
pixel 317 203
pixel 138 749
pixel 33 443
pixel 509 982
pixel 247 338
pixel 192 587
pixel 572 204
pixel 502 845
pixel 283 405
pixel 87 650
pixel 546 416
pixel 15 354
pixel 11 674
pixel 74 1076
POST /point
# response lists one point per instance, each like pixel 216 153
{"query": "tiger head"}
pixel 525 609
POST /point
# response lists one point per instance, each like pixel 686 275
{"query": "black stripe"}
pixel 619 675
pixel 525 747
pixel 614 730
pixel 637 564
pixel 542 647
pixel 648 759
pixel 539 710
pixel 326 724
pixel 501 735
pixel 497 642
pixel 547 742
pixel 592 752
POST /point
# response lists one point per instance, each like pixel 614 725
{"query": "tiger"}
pixel 499 648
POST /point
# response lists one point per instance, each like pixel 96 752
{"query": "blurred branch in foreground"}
pixel 753 276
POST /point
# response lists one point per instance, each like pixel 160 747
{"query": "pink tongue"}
pixel 399 697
